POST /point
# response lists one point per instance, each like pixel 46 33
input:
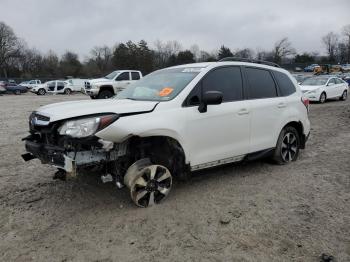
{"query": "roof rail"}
pixel 247 60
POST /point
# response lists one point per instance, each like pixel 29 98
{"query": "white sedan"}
pixel 321 88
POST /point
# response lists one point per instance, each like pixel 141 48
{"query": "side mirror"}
pixel 210 98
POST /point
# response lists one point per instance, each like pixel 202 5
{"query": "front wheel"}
pixel 148 183
pixel 323 98
pixel 105 94
pixel 288 145
pixel 344 96
pixel 41 92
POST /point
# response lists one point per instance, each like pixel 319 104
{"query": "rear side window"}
pixel 227 80
pixel 285 85
pixel 261 83
pixel 332 81
pixel 135 75
pixel 338 81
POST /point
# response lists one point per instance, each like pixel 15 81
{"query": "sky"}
pixel 79 25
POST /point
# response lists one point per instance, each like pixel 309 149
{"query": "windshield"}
pixel 162 85
pixel 112 75
pixel 314 81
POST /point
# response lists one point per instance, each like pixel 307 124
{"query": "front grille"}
pixel 87 85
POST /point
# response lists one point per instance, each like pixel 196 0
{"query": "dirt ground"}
pixel 246 212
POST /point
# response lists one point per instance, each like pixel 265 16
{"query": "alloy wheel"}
pixel 151 185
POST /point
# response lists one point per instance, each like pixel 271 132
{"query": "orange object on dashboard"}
pixel 166 91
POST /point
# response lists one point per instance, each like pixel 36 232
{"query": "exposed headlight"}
pixel 86 126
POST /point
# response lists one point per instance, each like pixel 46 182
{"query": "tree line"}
pixel 20 61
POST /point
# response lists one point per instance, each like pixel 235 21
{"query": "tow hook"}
pixel 61 175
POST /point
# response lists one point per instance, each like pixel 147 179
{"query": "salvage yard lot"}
pixel 247 212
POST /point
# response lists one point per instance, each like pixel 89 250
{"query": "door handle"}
pixel 243 111
pixel 282 105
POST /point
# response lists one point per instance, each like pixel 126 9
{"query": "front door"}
pixel 221 133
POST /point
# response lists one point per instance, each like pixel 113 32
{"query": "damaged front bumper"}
pixel 68 160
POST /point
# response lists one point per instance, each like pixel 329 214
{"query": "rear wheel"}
pixel 41 92
pixel 105 94
pixel 17 92
pixel 148 183
pixel 323 98
pixel 288 145
pixel 67 91
pixel 344 96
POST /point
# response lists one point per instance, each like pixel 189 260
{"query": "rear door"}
pixel 267 108
pixel 341 86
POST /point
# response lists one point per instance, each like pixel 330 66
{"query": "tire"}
pixel 41 92
pixel 93 97
pixel 148 183
pixel 67 91
pixel 17 92
pixel 288 145
pixel 344 96
pixel 105 94
pixel 323 98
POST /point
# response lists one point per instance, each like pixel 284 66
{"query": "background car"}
pixel 310 68
pixel 2 87
pixel 12 88
pixel 55 87
pixel 300 78
pixel 74 85
pixel 346 67
pixel 321 88
pixel 30 84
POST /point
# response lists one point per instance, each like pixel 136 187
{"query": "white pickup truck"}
pixel 30 84
pixel 111 84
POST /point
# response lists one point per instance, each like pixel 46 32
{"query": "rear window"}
pixel 261 83
pixel 135 75
pixel 285 85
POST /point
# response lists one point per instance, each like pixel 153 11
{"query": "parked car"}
pixel 345 67
pixel 53 87
pixel 13 88
pixel 346 77
pixel 74 85
pixel 300 78
pixel 31 83
pixel 2 87
pixel 174 121
pixel 111 84
pixel 321 88
pixel 310 68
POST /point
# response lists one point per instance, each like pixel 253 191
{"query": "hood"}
pixel 65 110
pixel 309 88
pixel 99 80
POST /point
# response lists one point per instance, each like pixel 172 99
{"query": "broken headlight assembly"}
pixel 84 127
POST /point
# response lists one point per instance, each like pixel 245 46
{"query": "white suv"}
pixel 174 121
pixel 111 84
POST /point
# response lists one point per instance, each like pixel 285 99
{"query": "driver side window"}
pixel 123 77
pixel 227 80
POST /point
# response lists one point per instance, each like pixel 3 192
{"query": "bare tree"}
pixel 330 41
pixel 346 33
pixel 10 47
pixel 282 49
pixel 102 57
pixel 163 52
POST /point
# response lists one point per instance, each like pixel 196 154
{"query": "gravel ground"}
pixel 246 212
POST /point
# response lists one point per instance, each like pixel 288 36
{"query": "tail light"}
pixel 306 103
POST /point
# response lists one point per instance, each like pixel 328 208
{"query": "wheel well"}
pixel 162 150
pixel 299 127
pixel 106 88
